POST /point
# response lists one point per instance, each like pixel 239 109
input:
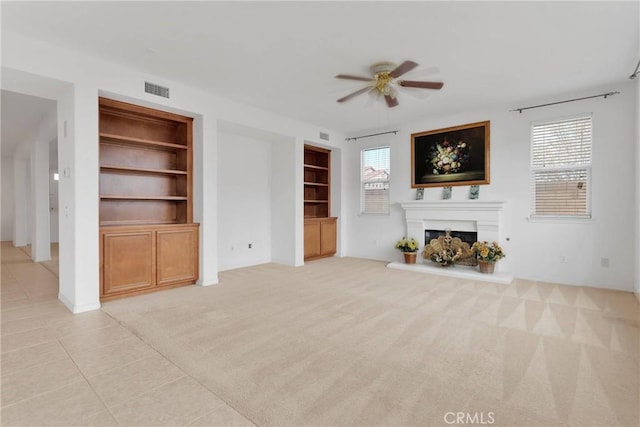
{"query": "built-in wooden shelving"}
pixel 148 239
pixel 319 227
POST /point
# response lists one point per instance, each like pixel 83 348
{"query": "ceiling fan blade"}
pixel 405 67
pixel 374 96
pixel 415 92
pixel 391 102
pixel 350 77
pixel 421 73
pixel 421 85
pixel 356 93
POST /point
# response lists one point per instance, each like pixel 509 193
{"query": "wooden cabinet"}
pixel 129 257
pixel 311 239
pixel 319 228
pixel 136 259
pixel 328 234
pixel 177 255
pixel 145 184
pixel 319 237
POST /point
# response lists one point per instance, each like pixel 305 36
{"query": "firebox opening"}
pixel 469 237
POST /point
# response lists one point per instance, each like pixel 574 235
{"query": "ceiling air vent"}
pixel 324 136
pixel 155 89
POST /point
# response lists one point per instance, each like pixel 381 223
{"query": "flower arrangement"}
pixel 448 157
pixel 407 245
pixel 488 252
pixel 446 257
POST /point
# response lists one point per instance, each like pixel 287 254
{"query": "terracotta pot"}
pixel 486 267
pixel 410 257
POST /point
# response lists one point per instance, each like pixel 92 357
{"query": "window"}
pixel 375 180
pixel 561 167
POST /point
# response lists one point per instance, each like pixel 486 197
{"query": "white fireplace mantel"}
pixel 473 205
pixel 485 217
pixel 455 210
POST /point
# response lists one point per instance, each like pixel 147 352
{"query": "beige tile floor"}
pixel 86 369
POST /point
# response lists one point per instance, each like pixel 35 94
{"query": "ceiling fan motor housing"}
pixel 381 71
pixel 382 67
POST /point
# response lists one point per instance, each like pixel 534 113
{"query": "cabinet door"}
pixel 177 256
pixel 311 239
pixel 328 233
pixel 128 261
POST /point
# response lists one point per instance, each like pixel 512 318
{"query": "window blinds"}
pixel 374 179
pixel 561 167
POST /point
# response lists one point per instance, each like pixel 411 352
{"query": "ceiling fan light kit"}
pixel 383 80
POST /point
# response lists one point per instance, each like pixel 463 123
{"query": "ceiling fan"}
pixel 385 82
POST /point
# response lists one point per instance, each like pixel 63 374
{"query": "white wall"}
pixel 244 201
pixel 39 201
pixel 259 177
pixel 337 200
pixel 21 192
pixel 535 248
pixel 637 167
pixel 7 199
pixel 53 192
pixel 286 161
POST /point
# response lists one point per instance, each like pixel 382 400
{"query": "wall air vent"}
pixel 324 136
pixel 155 89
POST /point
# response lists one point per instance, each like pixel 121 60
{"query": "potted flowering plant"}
pixel 409 247
pixel 487 255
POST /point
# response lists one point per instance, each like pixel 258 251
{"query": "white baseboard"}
pixel 75 309
pixel 208 282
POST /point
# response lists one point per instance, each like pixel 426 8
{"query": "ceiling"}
pixel 20 114
pixel 283 56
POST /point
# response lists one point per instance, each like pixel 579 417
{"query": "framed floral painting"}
pixel 457 155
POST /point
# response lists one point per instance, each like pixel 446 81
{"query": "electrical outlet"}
pixel 250 245
pixel 604 262
pixel 563 259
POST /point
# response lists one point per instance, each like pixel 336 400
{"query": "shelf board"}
pixel 316 184
pixel 170 198
pixel 133 222
pixel 140 141
pixel 143 170
pixel 322 168
pixel 316 201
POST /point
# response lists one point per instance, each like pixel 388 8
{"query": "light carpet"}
pixel 344 341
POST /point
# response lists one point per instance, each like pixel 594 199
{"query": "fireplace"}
pixel 466 236
pixel 476 220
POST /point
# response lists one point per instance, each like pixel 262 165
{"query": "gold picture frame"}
pixel 452 156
